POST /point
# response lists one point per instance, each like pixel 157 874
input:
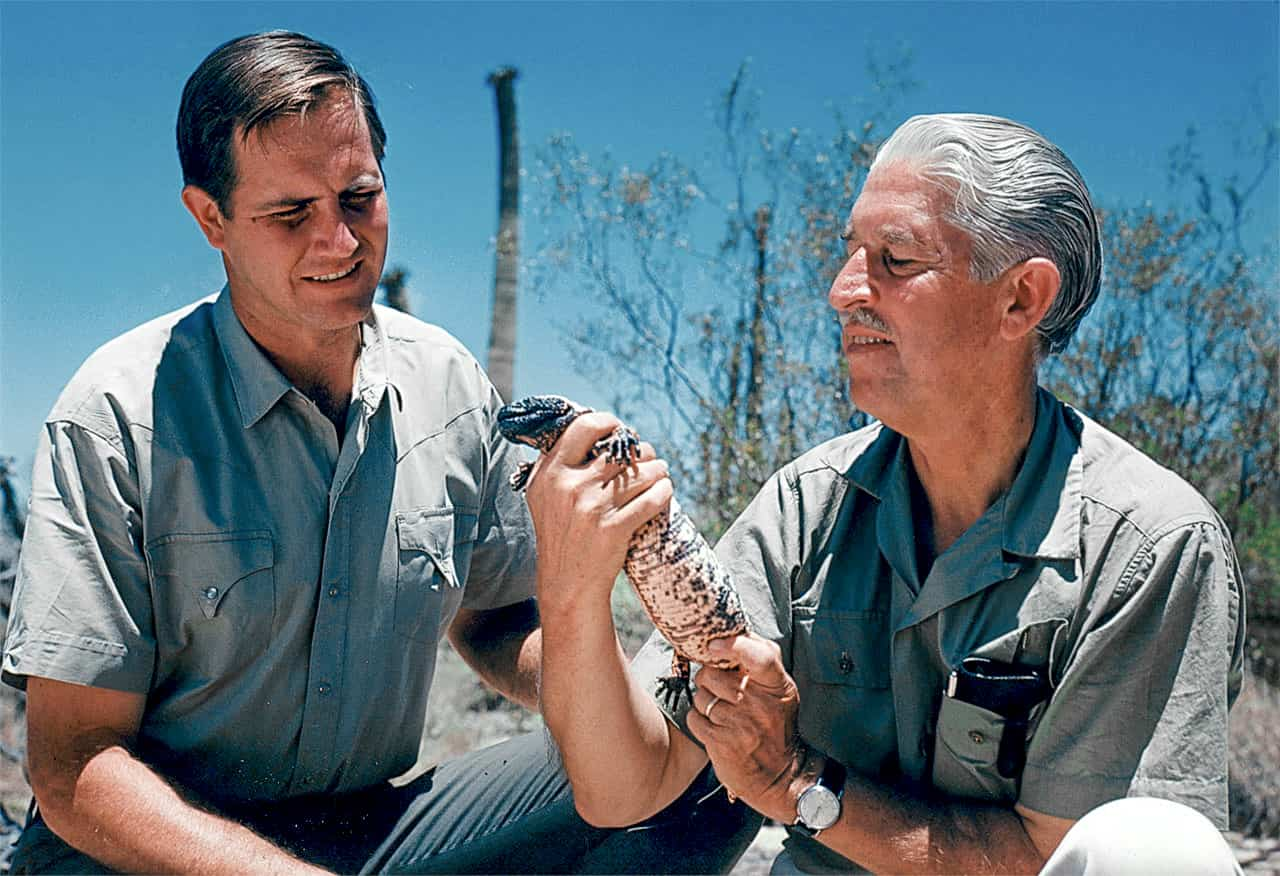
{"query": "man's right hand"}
pixel 103 801
pixel 584 513
pixel 624 759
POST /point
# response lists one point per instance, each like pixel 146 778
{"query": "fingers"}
pixel 644 506
pixel 726 684
pixel 712 708
pixel 758 658
pixel 581 436
pixel 627 483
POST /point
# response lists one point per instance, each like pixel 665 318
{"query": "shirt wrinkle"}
pixel 283 584
pixel 871 659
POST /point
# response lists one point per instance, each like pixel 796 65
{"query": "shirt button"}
pixel 977 737
pixel 323 688
pixel 846 663
pixel 211 593
pixel 333 591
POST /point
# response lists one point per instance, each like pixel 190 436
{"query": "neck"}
pixel 320 364
pixel 966 464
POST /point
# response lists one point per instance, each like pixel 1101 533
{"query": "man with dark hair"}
pixel 988 634
pixel 252 520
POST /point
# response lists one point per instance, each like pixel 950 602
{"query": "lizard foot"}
pixel 672 688
pixel 621 448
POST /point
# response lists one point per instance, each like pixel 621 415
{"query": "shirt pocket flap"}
pixel 967 750
pixel 849 647
pixel 211 564
pixel 430 531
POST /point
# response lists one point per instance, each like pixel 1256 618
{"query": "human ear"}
pixel 207 213
pixel 1031 285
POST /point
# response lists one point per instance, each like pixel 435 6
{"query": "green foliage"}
pixel 1257 535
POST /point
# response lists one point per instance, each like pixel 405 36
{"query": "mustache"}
pixel 864 318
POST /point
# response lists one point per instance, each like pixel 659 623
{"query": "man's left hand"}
pixel 751 734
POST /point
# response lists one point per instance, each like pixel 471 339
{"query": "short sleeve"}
pixel 1141 709
pixel 503 564
pixel 81 604
pixel 761 552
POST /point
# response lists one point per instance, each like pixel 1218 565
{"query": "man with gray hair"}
pixel 976 621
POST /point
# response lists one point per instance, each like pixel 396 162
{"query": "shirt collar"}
pixel 374 375
pixel 1040 513
pixel 1042 507
pixel 257 383
pixel 881 466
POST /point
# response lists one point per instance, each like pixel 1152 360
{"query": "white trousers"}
pixel 1140 836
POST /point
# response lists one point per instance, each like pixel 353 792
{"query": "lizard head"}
pixel 537 420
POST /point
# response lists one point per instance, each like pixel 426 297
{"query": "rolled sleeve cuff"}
pixel 1068 795
pixel 1072 796
pixel 77 660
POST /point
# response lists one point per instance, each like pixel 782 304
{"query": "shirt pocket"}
pixel 841 666
pixel 425 569
pixel 847 648
pixel 966 750
pixel 208 584
pixel 967 744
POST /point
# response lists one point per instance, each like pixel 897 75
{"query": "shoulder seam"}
pixel 1149 543
pixel 114 440
pixel 455 418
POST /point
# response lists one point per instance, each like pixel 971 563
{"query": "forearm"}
pixel 121 813
pixel 621 755
pixel 886 831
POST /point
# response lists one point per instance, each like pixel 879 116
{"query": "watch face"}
pixel 818 807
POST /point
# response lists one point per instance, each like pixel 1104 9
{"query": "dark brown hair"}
pixel 249 82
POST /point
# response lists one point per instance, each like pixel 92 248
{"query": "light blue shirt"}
pixel 197 534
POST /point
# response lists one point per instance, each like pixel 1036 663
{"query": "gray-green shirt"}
pixel 1099 565
pixel 197 535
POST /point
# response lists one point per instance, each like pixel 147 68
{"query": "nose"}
pixel 334 237
pixel 851 288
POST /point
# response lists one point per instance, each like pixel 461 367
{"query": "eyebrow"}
pixel 893 234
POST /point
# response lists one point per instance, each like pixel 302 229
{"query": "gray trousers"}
pixel 503 809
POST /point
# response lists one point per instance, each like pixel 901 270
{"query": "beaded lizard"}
pixel 687 593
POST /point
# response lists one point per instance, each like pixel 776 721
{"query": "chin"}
pixel 875 400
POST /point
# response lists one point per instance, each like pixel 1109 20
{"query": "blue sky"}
pixel 94 240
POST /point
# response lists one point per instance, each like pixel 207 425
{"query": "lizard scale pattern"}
pixel 687 593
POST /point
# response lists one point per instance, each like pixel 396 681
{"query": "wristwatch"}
pixel 818 806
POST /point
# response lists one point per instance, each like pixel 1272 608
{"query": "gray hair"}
pixel 249 82
pixel 1017 196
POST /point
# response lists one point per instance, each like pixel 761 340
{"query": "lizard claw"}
pixel 520 477
pixel 620 448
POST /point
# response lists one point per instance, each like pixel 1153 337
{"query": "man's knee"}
pixel 1141 835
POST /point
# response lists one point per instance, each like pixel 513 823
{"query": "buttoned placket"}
pixel 317 747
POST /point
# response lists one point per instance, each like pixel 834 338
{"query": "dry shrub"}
pixel 1255 759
